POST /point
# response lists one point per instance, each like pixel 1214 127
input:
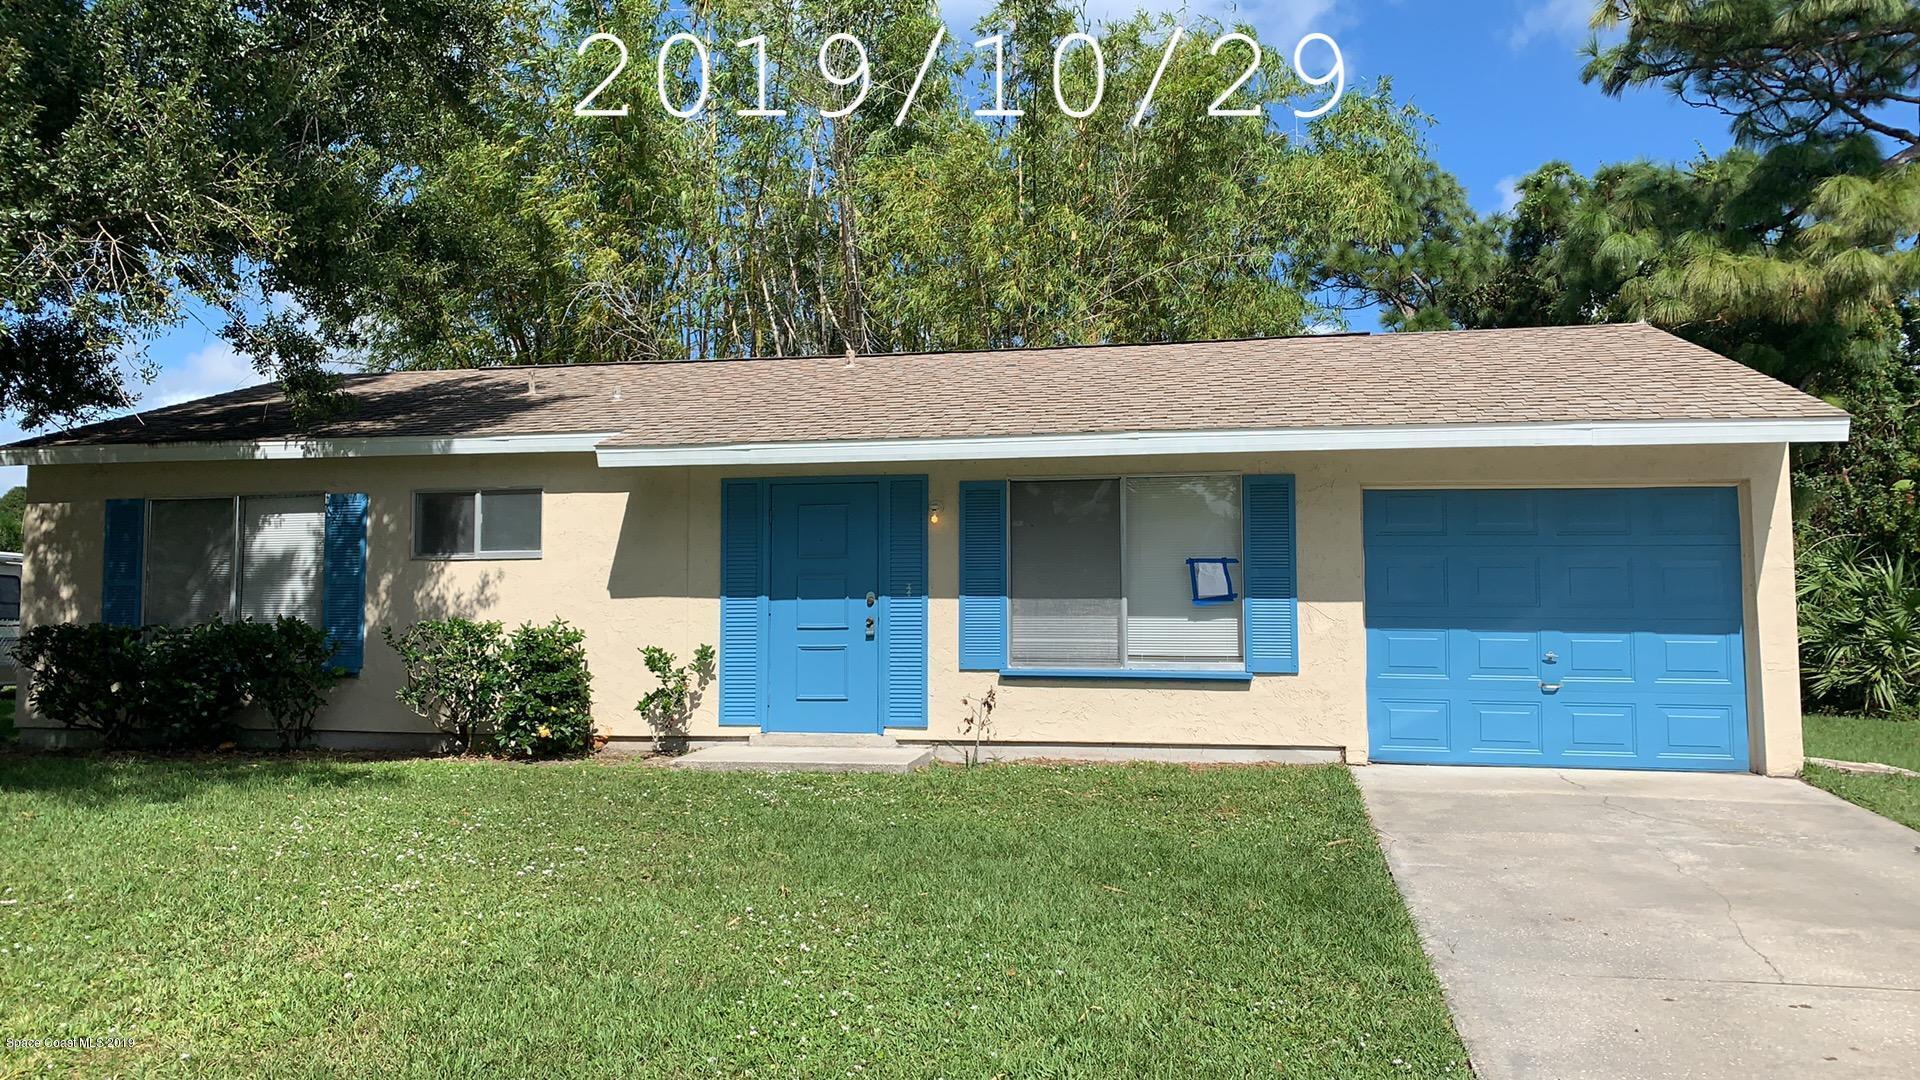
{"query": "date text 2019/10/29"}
pixel 843 62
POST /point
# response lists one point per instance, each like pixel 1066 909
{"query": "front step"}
pixel 760 757
pixel 809 738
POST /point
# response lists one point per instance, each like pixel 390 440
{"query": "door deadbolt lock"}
pixel 1552 658
pixel 870 599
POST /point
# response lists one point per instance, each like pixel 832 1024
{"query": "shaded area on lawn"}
pixel 1857 738
pixel 453 917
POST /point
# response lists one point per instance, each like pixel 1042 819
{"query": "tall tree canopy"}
pixel 219 151
pixel 548 238
pixel 1781 70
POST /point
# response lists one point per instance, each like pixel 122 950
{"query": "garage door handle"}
pixel 1549 687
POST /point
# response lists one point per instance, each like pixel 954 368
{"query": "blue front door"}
pixel 823 581
pixel 1595 628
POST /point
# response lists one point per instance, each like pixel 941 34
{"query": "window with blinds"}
pixel 282 556
pixel 1098 573
pixel 256 557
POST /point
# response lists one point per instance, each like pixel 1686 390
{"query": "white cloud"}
pixel 214 368
pixel 1509 189
pixel 1559 20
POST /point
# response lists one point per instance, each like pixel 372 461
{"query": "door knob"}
pixel 1549 688
pixel 869 628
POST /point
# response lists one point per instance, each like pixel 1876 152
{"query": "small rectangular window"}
pixel 476 524
pixel 9 598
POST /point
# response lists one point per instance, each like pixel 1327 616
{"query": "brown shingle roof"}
pixel 1552 374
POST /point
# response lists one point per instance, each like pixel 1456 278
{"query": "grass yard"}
pixel 1854 738
pixel 436 918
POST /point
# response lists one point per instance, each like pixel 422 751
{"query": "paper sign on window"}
pixel 1212 580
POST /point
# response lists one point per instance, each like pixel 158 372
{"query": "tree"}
pixel 223 150
pixel 1433 253
pixel 1782 70
pixel 13 507
pixel 546 238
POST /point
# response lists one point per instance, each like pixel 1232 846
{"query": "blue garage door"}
pixel 1585 628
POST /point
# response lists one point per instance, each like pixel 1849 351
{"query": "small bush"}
pixel 178 687
pixel 454 674
pixel 195 683
pixel 292 673
pixel 547 709
pixel 1859 629
pixel 669 706
pixel 87 677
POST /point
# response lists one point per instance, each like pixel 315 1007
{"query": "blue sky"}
pixel 1500 77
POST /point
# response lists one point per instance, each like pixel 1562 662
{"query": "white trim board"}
pixel 297 449
pixel 969 448
pixel 1144 443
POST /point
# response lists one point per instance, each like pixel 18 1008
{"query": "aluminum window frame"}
pixel 1127 666
pixel 479 554
pixel 232 612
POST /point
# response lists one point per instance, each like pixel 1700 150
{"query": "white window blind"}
pixel 284 539
pixel 1171 519
pixel 189 560
pixel 1064 574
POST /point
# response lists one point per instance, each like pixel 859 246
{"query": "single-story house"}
pixel 1560 546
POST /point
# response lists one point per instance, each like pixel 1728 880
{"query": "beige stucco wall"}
pixel 631 556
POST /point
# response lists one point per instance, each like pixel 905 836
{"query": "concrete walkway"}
pixel 1612 925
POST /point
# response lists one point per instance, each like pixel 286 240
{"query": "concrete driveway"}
pixel 1614 925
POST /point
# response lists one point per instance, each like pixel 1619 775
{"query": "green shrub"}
pixel 547 709
pixel 669 706
pixel 87 677
pixel 195 683
pixel 1859 629
pixel 454 674
pixel 291 675
pixel 178 687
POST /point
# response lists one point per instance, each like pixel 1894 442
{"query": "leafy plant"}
pixel 1859 629
pixel 547 709
pixel 454 674
pixel 195 682
pixel 292 670
pixel 86 677
pixel 177 686
pixel 669 706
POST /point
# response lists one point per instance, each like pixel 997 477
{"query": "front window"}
pixel 255 557
pixel 1099 572
pixel 476 524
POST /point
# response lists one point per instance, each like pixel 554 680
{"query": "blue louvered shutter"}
pixel 983 575
pixel 1272 591
pixel 343 599
pixel 904 617
pixel 125 561
pixel 743 601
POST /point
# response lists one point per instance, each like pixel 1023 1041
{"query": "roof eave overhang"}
pixel 299 449
pixel 1268 440
pixel 981 448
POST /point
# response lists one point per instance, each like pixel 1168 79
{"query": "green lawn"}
pixel 1853 738
pixel 460 918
